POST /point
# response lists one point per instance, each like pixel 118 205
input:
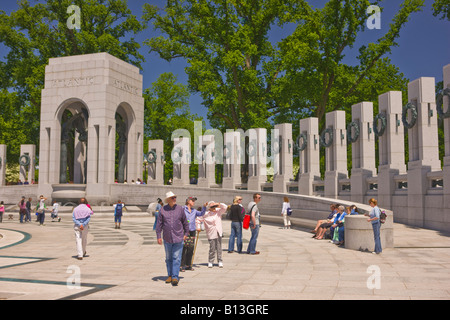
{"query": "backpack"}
pixel 383 217
pixel 119 207
pixel 247 218
pixel 289 211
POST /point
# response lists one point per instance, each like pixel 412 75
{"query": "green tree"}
pixel 166 110
pixel 442 7
pixel 246 81
pixel 34 33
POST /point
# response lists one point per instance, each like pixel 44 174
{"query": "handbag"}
pixel 246 222
pixel 247 218
pixel 289 211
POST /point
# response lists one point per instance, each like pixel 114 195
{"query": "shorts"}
pixel 326 225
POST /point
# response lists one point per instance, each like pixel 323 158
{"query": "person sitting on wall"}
pixel 325 226
pixel 352 210
pixel 320 222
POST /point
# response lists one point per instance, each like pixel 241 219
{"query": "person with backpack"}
pixel 255 223
pixel 237 212
pixel 286 212
pixel 374 218
pixel 118 212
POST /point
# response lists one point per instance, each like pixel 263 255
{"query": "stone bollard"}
pixel 359 233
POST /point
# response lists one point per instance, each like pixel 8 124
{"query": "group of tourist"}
pixel 177 227
pixel 26 207
pixel 335 224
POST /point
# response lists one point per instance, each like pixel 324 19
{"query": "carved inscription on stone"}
pixel 73 82
pixel 125 86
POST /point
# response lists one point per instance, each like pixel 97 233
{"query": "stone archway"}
pixel 73 146
pixel 81 98
pixel 124 119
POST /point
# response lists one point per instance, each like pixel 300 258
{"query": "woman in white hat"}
pixel 213 227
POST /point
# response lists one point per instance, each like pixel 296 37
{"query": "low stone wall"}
pixel 13 194
pixel 306 209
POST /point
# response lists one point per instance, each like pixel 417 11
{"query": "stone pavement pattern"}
pixel 127 263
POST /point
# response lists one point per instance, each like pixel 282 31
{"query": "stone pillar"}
pixel 93 141
pixel 336 154
pixel 27 152
pixel 391 146
pixel 3 149
pixel 309 158
pixel 257 155
pixel 232 160
pixel 156 161
pixel 181 158
pixel 207 164
pixel 363 151
pixel 282 156
pixel 423 147
pixel 446 169
pixel 106 157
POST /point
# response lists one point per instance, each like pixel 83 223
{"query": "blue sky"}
pixel 423 46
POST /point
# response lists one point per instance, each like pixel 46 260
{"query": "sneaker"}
pixel 210 265
pixel 220 264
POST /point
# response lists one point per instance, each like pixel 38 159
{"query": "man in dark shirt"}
pixel 173 225
pixel 28 217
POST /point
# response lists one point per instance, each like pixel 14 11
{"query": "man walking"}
pixel 254 223
pixel 173 224
pixel 81 217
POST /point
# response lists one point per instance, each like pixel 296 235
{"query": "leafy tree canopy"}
pixel 246 81
pixel 34 33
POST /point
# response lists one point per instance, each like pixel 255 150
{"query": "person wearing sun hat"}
pixel 213 227
pixel 174 227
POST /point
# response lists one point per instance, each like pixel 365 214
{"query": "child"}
pixel 213 227
pixel 118 208
pixel 55 210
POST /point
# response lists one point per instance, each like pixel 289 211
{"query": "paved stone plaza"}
pixel 37 262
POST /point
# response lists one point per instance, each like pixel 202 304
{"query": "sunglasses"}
pixel 173 198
